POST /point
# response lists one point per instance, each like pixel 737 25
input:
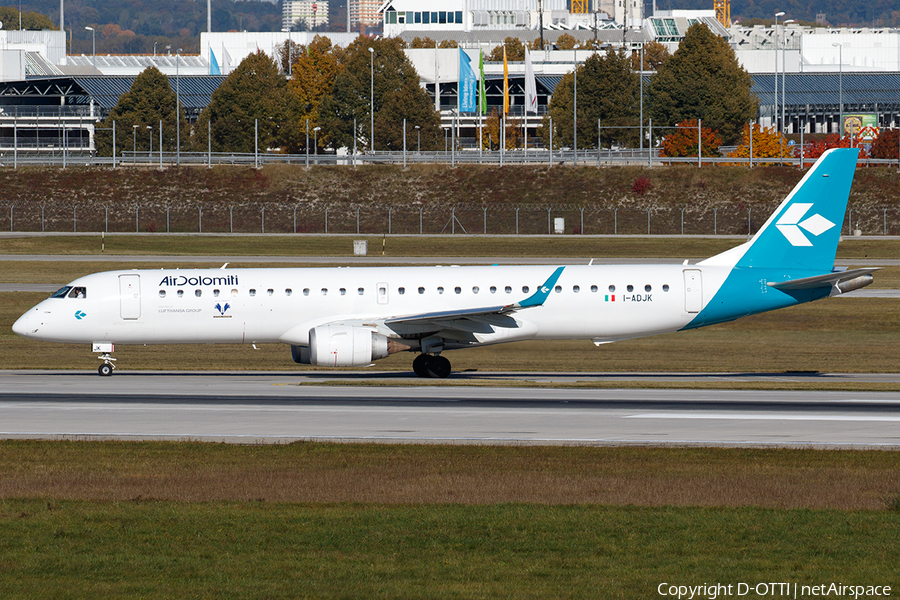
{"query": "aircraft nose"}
pixel 21 325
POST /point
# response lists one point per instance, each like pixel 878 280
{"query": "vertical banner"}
pixel 530 85
pixel 213 64
pixel 505 84
pixel 482 95
pixel 226 61
pixel 467 84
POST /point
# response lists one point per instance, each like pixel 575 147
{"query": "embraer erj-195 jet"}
pixel 346 317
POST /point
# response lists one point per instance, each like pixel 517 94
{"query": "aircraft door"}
pixel 693 291
pixel 130 296
pixel 381 290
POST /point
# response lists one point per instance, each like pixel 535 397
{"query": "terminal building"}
pixel 821 73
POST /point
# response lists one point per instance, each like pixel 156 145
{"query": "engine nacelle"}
pixel 345 346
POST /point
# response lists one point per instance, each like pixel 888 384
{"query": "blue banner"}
pixel 467 84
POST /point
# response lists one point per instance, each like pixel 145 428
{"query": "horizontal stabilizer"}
pixel 832 280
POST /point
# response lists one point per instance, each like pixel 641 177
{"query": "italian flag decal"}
pixel 611 298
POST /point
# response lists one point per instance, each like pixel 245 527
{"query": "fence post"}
pixel 883 214
pixel 648 221
pixel 682 221
pixel 699 143
pixel 751 144
pixel 326 219
pixel 484 208
pixel 616 220
pixel 715 221
pixel 582 220
pixel 263 219
pixel 357 219
pixel 136 217
pixel 294 229
pixel 598 143
pixel 420 220
pixel 517 220
pixel 230 219
pixel 453 220
pixel 10 218
pixel 650 142
pixel 74 219
pixel 549 223
pixel 199 219
pixel 551 142
pixel 114 144
pixel 255 145
pixel 105 217
pixel 390 210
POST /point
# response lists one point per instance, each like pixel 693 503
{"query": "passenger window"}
pixel 440 289
pixel 401 290
pixel 234 292
pixel 179 293
pixel 215 293
pixel 576 288
pixel 629 287
pixel 524 289
pixel 457 289
pixel 666 287
pixel 361 291
pixel 421 290
pixel 508 289
pixel 647 288
pixel 594 288
pixel 557 289
pixel 343 291
pixel 288 292
pixel 493 289
pixel 270 292
pixel 306 291
pixel 475 289
pixel 78 292
pixel 324 291
pixel 612 288
pixel 252 292
pixel 162 293
pixel 198 293
pixel 382 291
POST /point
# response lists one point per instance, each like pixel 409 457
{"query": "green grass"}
pixel 413 246
pixel 227 550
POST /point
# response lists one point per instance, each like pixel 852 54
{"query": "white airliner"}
pixel 345 317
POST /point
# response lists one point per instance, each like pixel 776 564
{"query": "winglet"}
pixel 538 298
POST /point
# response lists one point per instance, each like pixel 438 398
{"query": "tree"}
pixel 253 93
pixel 566 42
pixel 817 147
pixel 767 143
pixel 490 136
pixel 683 141
pixel 313 75
pixel 394 79
pixel 655 55
pixel 149 101
pixel 886 144
pixel 515 51
pixel 425 42
pixel 9 16
pixel 608 91
pixel 703 80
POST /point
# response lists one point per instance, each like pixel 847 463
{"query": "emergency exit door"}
pixel 693 291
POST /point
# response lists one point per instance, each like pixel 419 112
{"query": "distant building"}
pixel 305 14
pixel 470 15
pixel 364 12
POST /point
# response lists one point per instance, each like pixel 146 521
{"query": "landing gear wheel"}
pixel 420 365
pixel 438 367
pixel 105 370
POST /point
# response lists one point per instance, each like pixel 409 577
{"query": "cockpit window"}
pixel 78 292
pixel 61 293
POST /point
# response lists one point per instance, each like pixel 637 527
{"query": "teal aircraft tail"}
pixel 803 233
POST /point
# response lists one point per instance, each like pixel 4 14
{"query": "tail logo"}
pixel 790 224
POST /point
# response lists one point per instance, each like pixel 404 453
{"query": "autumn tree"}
pixel 817 146
pixel 703 80
pixel 684 141
pixel 252 95
pixel 608 91
pixel 150 100
pixel 490 135
pixel 515 51
pixel 886 145
pixel 767 143
pixel 566 42
pixel 655 55
pixel 425 42
pixel 312 78
pixel 9 16
pixel 397 95
pixel 287 52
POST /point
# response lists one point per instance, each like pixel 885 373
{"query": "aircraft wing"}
pixel 492 315
pixel 837 280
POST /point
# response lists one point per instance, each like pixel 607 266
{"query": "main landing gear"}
pixel 426 365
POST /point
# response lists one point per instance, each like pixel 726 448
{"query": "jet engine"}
pixel 345 346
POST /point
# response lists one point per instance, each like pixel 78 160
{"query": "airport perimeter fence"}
pixel 430 219
pixel 586 157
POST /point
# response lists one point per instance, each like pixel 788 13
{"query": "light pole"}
pixel 418 140
pixel 840 48
pixel 372 99
pixel 783 69
pixel 316 140
pixel 93 48
pixel 177 111
pixel 150 129
pixel 775 103
pixel 134 129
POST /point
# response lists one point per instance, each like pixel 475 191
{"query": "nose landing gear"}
pixel 436 367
